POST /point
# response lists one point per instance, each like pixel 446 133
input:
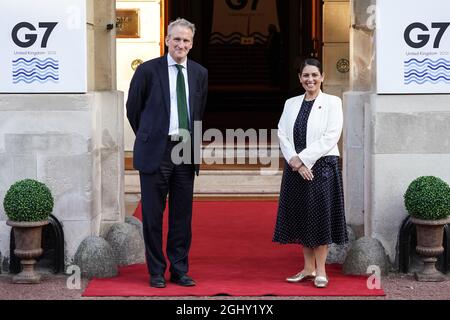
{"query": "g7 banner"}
pixel 43 46
pixel 413 46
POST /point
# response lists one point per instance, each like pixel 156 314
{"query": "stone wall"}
pixel 74 144
pixel 101 45
pixel 354 158
pixel 71 142
pixel 409 137
pixel 389 140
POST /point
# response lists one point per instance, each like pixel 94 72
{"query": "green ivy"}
pixel 428 198
pixel 28 200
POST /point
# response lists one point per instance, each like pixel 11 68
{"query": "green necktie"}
pixel 183 120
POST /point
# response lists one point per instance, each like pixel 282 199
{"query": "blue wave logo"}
pixel 35 70
pixel 427 70
pixel 235 38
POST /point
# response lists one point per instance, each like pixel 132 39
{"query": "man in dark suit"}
pixel 167 96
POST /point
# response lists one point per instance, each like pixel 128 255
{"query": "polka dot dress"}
pixel 311 213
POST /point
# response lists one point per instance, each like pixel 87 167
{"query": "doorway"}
pixel 250 49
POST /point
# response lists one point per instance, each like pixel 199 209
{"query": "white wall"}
pixel 74 144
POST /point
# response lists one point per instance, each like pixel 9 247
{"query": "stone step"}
pixel 230 157
pixel 228 172
pixel 223 183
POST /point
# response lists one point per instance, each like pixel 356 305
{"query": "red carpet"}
pixel 232 254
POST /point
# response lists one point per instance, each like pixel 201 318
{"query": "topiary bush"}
pixel 428 198
pixel 28 200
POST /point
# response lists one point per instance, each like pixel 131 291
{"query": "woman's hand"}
pixel 306 173
pixel 295 163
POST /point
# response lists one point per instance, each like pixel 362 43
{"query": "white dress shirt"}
pixel 323 131
pixel 173 73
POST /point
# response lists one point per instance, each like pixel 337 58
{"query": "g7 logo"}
pixel 241 4
pixel 32 37
pixel 424 38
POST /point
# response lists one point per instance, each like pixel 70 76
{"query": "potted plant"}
pixel 27 204
pixel 427 200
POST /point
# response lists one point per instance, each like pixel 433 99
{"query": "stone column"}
pixel 389 139
pixel 71 142
pixel 362 59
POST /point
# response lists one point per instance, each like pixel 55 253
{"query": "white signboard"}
pixel 413 46
pixel 43 46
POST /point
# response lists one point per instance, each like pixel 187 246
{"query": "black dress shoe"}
pixel 157 281
pixel 183 280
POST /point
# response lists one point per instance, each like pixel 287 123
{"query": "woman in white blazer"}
pixel 311 205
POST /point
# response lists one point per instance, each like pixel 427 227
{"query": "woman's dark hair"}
pixel 309 62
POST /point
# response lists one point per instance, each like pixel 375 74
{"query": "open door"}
pixel 250 49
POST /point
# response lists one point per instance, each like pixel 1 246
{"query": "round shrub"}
pixel 28 200
pixel 428 198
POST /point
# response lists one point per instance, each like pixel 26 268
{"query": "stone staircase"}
pixel 238 173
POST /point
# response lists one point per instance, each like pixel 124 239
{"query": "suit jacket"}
pixel 148 109
pixel 323 131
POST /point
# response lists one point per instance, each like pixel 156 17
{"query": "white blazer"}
pixel 323 130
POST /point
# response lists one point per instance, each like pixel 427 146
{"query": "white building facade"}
pixel 394 131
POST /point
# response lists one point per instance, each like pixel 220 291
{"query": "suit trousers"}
pixel 176 181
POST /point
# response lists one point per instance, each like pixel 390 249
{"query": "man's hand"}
pixel 295 163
